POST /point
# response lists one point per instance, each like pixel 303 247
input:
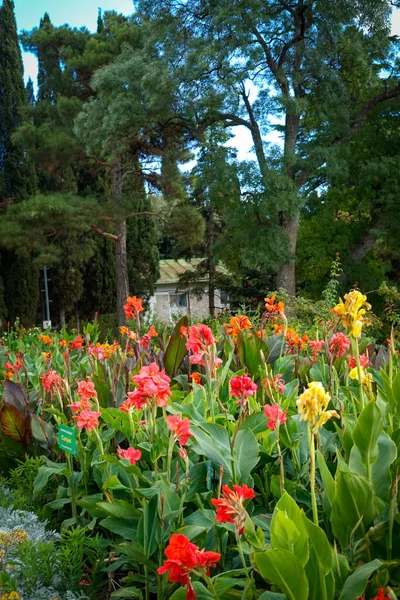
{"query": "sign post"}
pixel 67 439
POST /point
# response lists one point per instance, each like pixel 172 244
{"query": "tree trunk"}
pixel 361 250
pixel 121 265
pixel 211 262
pixel 62 316
pixel 286 276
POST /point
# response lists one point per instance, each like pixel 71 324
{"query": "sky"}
pixel 78 13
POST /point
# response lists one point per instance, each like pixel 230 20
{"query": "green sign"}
pixel 67 438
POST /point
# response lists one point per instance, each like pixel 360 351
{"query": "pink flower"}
pixel 275 415
pixel 242 387
pixel 86 390
pixel 338 344
pixel 180 427
pixel 81 405
pixel 87 419
pixel 316 346
pixel 130 454
pixel 153 386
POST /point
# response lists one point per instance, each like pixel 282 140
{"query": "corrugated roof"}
pixel 170 270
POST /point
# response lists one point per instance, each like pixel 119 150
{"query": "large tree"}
pixel 315 68
pixel 17 175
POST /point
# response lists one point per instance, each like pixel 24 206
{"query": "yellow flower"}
pixel 312 405
pixel 351 312
pixel 366 378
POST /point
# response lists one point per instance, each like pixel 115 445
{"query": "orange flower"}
pixel 46 339
pixel 236 324
pixel 273 307
pixel 62 343
pixel 128 332
pixel 133 307
pixel 195 377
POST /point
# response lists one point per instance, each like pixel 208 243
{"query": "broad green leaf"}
pixel 357 582
pixel 103 390
pixel 46 472
pixel 366 433
pixel 118 508
pixel 281 531
pixel 125 527
pixel 319 542
pixel 213 442
pixel 257 422
pixel 14 394
pixel 148 527
pixel 176 350
pixel 127 592
pixel 201 592
pixel 276 345
pixel 284 570
pixel 327 479
pixel 245 451
pixel 354 504
pixel 321 585
pixel 272 596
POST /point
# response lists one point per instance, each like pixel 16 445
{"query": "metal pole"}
pixel 46 294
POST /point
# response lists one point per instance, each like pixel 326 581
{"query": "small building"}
pixel 171 301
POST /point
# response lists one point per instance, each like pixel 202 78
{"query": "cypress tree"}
pixel 17 176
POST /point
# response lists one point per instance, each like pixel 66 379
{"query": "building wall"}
pixel 197 307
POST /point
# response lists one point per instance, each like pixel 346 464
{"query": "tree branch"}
pixel 104 234
pixel 99 162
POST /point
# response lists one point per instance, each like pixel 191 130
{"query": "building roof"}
pixel 171 270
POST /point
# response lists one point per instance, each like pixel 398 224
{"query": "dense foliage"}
pixel 248 461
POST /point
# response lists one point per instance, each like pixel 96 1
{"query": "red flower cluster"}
pixel 153 386
pixel 182 558
pixel 380 596
pixel 338 344
pixel 199 341
pixel 230 507
pixel 133 307
pixel 52 381
pixel 180 427
pixel 316 346
pixel 275 415
pixel 242 387
pixel 11 369
pixel 130 454
pixel 77 343
pixel 364 361
pixel 86 392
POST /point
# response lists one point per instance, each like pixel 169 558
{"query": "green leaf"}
pixel 276 347
pixel 319 542
pixel 127 592
pixel 113 483
pixel 103 390
pixel 148 528
pixel 288 529
pixel 118 508
pixel 366 433
pixel 213 442
pixel 354 504
pixel 245 453
pixel 45 473
pixel 357 582
pixel 201 592
pixel 272 596
pixel 284 570
pixel 327 479
pixel 176 350
pixel 125 527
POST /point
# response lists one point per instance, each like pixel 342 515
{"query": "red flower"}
pixel 133 307
pixel 182 558
pixel 87 419
pixel 364 361
pixel 230 507
pixel 381 595
pixel 146 338
pixel 180 427
pixel 338 344
pixel 316 346
pixel 275 415
pixel 200 341
pixel 130 454
pixel 242 387
pixel 76 344
pixel 52 381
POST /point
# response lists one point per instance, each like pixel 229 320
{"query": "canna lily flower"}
pixel 86 390
pixel 87 419
pixel 52 381
pixel 275 415
pixel 242 387
pixel 180 427
pixel 130 454
pixel 316 346
pixel 312 405
pixel 200 340
pixel 274 308
pixel 351 312
pixel 277 384
pixel 153 386
pixel 77 343
pixel 46 339
pixel 364 361
pixel 182 558
pixel 195 377
pixel 236 324
pixel 125 331
pixel 62 343
pixel 230 507
pixel 366 378
pixel 338 344
pixel 133 307
pixel 146 338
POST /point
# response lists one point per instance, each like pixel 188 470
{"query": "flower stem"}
pixel 281 465
pixel 311 439
pixel 354 344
